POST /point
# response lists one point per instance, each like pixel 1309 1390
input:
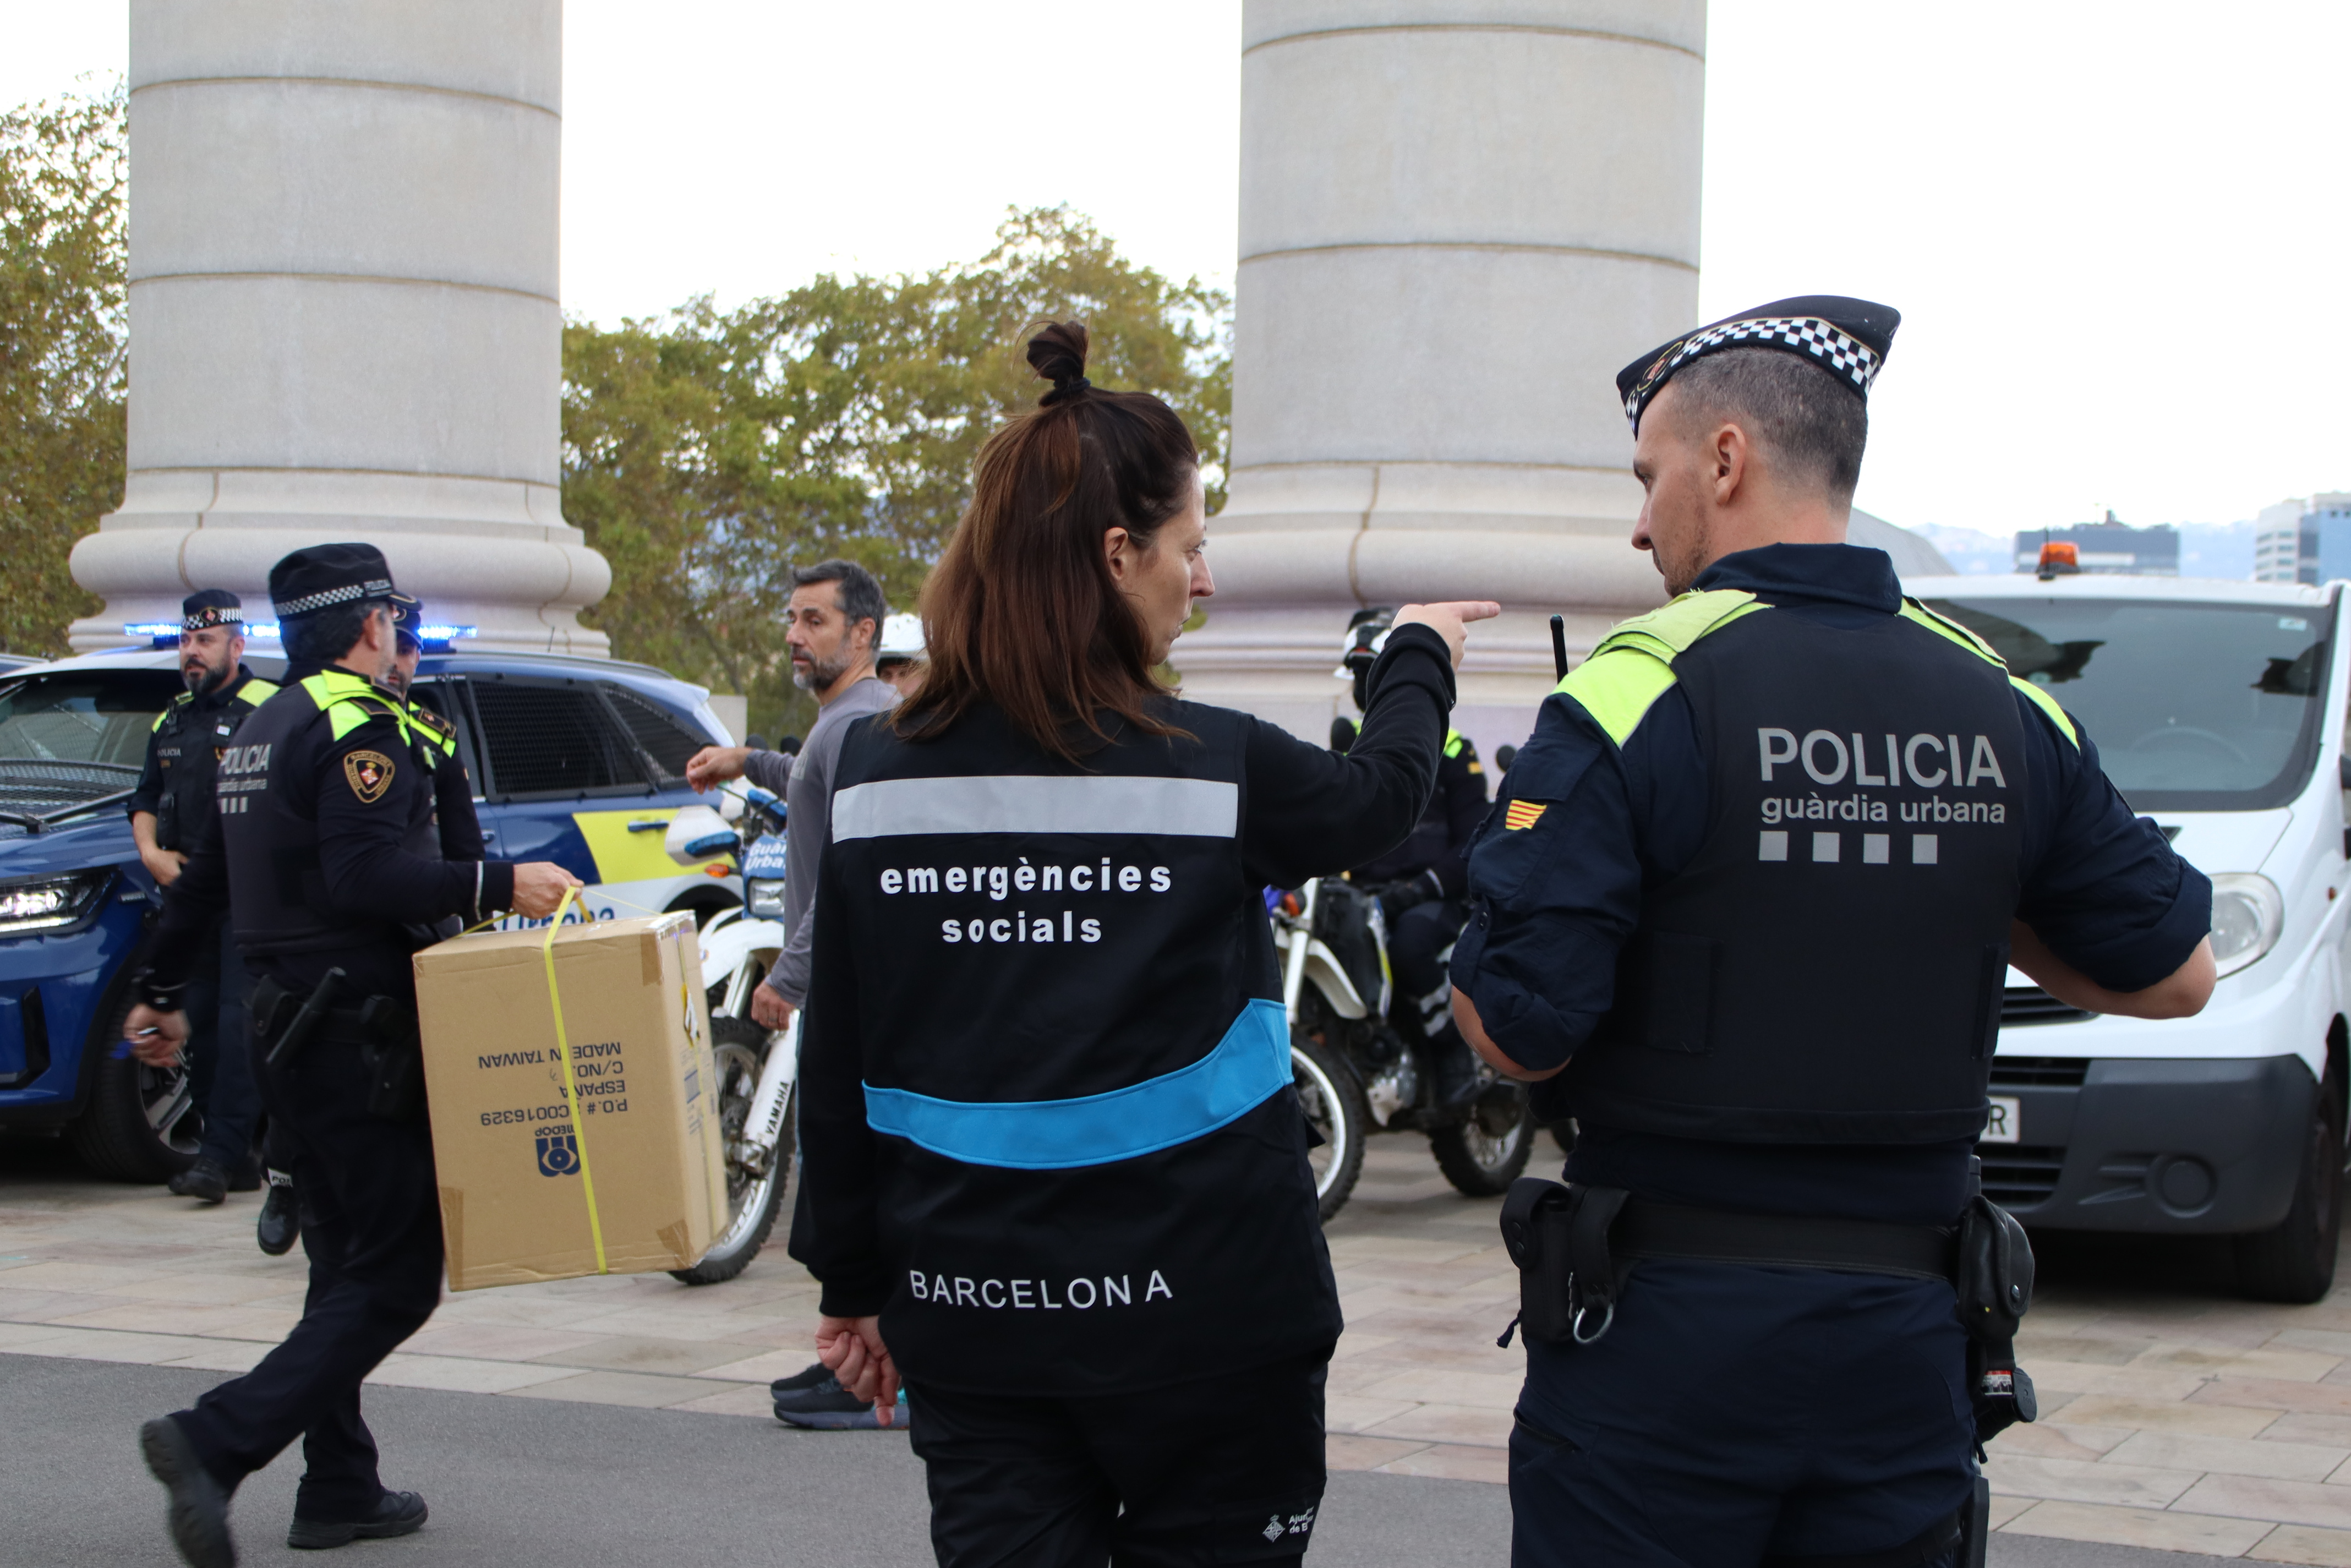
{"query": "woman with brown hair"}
pixel 1056 1171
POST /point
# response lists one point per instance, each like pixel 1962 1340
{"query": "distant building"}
pixel 2303 539
pixel 2107 546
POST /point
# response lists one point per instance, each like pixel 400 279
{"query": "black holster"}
pixel 381 1028
pixel 1558 1236
pixel 1993 1279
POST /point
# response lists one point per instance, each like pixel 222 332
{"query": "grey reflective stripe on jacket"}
pixel 805 782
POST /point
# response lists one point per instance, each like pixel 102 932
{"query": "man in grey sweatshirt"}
pixel 835 621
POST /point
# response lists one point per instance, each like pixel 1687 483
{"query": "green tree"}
pixel 63 372
pixel 708 451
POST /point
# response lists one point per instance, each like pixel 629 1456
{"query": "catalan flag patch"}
pixel 1523 814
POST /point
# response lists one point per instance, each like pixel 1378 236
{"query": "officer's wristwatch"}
pixel 162 999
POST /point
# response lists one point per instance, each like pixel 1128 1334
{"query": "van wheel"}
pixel 1335 1108
pixel 2295 1261
pixel 140 1124
pixel 1484 1153
pixel 738 1049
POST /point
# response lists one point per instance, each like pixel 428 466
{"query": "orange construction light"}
pixel 2059 557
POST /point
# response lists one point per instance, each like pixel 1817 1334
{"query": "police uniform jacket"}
pixel 1440 840
pixel 175 785
pixel 322 847
pixel 459 825
pixel 1050 1131
pixel 1751 879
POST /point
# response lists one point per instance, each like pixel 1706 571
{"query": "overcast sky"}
pixel 2117 231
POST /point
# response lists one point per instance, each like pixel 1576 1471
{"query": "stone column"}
pixel 1459 218
pixel 343 309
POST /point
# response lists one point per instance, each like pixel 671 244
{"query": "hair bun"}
pixel 1058 353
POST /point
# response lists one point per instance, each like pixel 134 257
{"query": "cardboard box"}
pixel 516 1167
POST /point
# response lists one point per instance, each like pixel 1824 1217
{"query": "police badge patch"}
pixel 368 773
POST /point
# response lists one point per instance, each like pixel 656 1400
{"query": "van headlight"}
pixel 44 904
pixel 2248 913
pixel 764 897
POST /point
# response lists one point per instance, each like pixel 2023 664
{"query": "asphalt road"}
pixel 523 1481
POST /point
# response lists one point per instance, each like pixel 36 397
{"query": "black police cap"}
pixel 1847 337
pixel 408 618
pixel 323 576
pixel 208 607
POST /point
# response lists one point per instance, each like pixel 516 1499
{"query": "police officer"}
pixel 1747 905
pixel 1063 1180
pixel 174 797
pixel 1423 881
pixel 322 854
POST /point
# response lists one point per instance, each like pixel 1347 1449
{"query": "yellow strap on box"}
pixel 570 1089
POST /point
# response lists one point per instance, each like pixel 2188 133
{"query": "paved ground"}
pixel 2175 1417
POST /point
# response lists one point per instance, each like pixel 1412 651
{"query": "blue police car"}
pixel 580 761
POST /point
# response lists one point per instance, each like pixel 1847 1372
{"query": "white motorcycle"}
pixel 756 1068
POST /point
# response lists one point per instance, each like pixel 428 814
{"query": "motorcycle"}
pixel 756 1068
pixel 1355 1070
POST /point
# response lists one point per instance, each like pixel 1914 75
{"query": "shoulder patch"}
pixel 431 722
pixel 1521 815
pixel 368 773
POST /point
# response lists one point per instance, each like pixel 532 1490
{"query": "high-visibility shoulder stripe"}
pixel 255 691
pixel 350 702
pixel 1452 743
pixel 1945 627
pixel 2049 705
pixel 1617 687
pixel 1034 803
pixel 1669 630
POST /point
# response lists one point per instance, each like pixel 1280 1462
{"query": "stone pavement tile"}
pixel 227 1356
pixel 2276 1393
pixel 2301 1544
pixel 1485 1391
pixel 2147 1527
pixel 763 1368
pixel 19 1336
pixel 156 1317
pixel 633 1353
pixel 1342 1451
pixel 1349 1250
pixel 2333 1430
pixel 2004 1508
pixel 1453 1462
pixel 1479 1355
pixel 2286 1502
pixel 2334 1342
pixel 40 1306
pixel 2046 1440
pixel 2079 1348
pixel 1352 1344
pixel 2071 1480
pixel 515 1304
pixel 495 1342
pixel 1447 1424
pixel 1353 1413
pixel 633 1388
pixel 747 1400
pixel 209 1288
pixel 90 1277
pixel 2214 1420
pixel 2286 1364
pixel 458 1375
pixel 115 1344
pixel 2230 1456
pixel 2135 1382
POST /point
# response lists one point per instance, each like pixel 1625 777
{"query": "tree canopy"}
pixel 64 324
pixel 707 452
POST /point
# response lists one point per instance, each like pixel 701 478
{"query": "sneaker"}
pixel 198 1516
pixel 280 1224
pixel 396 1513
pixel 826 1406
pixel 205 1181
pixel 815 1372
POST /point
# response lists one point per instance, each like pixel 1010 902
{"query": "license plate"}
pixel 2007 1121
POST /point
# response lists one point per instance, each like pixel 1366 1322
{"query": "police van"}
pixel 2218 710
pixel 578 761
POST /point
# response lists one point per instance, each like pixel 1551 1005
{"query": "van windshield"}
pixel 2194 707
pixel 66 739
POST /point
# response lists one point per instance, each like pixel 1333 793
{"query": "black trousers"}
pixel 372 1228
pixel 220 1054
pixel 1417 947
pixel 1222 1470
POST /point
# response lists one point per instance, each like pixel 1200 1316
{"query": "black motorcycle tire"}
pixel 1333 1099
pixel 749 1224
pixel 1479 1161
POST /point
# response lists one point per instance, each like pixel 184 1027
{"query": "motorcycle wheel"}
pixel 1487 1150
pixel 737 1048
pixel 1334 1106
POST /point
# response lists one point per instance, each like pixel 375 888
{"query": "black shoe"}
pixel 198 1519
pixel 280 1224
pixel 396 1513
pixel 817 1373
pixel 247 1178
pixel 205 1181
pixel 826 1407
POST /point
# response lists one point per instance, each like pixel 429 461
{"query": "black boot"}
pixel 396 1513
pixel 198 1519
pixel 1460 1076
pixel 205 1181
pixel 281 1221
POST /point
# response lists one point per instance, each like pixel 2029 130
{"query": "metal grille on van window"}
pixel 2038 1072
pixel 2021 1175
pixel 666 738
pixel 2031 1005
pixel 551 740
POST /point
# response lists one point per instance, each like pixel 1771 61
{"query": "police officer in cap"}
pixel 322 854
pixel 1748 907
pixel 174 797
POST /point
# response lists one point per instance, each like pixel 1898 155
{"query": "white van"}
pixel 2218 710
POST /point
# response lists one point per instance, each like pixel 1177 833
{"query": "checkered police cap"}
pixel 209 607
pixel 1847 337
pixel 323 576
